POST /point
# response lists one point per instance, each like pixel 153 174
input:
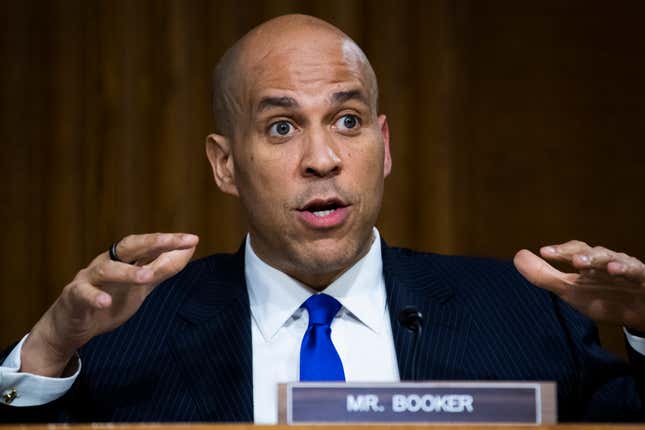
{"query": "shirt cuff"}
pixel 636 342
pixel 26 389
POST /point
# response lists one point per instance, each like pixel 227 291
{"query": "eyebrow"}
pixel 269 102
pixel 289 102
pixel 343 96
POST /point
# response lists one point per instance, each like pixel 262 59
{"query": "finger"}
pixel 593 279
pixel 596 258
pixel 598 277
pixel 564 252
pixel 541 273
pixel 630 268
pixel 613 263
pixel 109 272
pixel 149 246
pixel 83 295
pixel 169 263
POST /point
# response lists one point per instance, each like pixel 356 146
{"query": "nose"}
pixel 321 155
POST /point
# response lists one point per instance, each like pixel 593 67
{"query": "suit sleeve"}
pixel 609 389
pixel 637 359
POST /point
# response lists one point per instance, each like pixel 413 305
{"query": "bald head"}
pixel 286 38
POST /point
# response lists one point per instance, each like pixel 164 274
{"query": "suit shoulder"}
pixel 211 263
pixel 215 266
pixel 473 275
pixel 447 264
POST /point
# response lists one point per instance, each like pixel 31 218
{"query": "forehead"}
pixel 305 71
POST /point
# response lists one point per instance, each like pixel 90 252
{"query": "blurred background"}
pixel 514 124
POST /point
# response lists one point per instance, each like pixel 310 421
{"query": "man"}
pixel 300 142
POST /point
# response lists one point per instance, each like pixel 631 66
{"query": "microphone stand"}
pixel 412 319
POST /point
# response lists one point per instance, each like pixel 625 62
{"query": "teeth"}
pixel 323 213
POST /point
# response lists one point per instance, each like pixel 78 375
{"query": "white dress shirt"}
pixel 32 389
pixel 361 330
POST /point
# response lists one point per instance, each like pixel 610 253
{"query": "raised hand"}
pixel 607 286
pixel 102 297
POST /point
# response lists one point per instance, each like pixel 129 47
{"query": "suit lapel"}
pixel 212 345
pixel 414 279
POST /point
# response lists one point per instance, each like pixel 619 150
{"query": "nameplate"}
pixel 417 402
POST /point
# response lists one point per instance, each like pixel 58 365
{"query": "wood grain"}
pixel 514 124
pixel 108 426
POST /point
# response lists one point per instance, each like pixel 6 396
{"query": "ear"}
pixel 218 151
pixel 385 132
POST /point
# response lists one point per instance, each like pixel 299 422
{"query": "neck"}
pixel 314 279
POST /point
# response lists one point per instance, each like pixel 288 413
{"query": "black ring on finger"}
pixel 113 255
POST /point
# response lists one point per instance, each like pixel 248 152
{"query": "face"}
pixel 308 158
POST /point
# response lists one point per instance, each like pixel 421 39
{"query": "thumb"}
pixel 169 263
pixel 541 273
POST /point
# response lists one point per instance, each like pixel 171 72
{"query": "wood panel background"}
pixel 514 124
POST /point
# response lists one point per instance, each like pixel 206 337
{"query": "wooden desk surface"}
pixel 334 427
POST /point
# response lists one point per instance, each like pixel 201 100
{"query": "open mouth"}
pixel 323 208
pixel 324 213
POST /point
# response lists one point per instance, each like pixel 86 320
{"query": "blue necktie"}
pixel 319 360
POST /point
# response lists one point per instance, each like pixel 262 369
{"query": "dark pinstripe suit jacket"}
pixel 186 355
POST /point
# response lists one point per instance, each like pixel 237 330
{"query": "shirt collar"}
pixel 274 296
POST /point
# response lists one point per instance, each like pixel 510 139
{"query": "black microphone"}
pixel 412 319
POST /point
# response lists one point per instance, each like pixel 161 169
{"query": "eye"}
pixel 348 122
pixel 281 129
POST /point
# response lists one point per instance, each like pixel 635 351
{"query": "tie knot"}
pixel 322 308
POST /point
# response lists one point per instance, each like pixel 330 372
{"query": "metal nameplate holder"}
pixel 475 402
